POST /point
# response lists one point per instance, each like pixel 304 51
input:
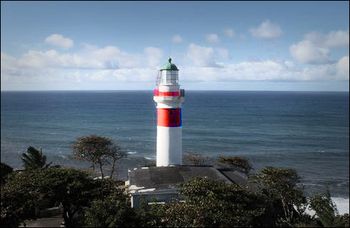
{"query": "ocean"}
pixel 307 131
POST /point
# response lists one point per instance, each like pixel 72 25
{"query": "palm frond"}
pixel 34 159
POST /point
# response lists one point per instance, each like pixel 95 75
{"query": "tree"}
pixel 34 159
pixel 150 215
pixel 5 170
pixel 280 186
pixel 99 151
pixel 326 211
pixel 209 203
pixel 25 192
pixel 115 153
pixel 18 199
pixel 71 188
pixel 112 211
pixel 236 162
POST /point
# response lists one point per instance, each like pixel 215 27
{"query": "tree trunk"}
pixel 100 164
pixel 113 167
pixel 286 211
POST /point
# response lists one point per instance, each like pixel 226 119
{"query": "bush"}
pixel 5 170
pixel 112 211
pixel 211 203
pixel 326 211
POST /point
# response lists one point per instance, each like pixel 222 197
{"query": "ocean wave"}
pixel 344 183
pixel 341 203
pixel 311 184
pixel 131 152
pixel 62 156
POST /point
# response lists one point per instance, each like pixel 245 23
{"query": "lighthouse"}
pixel 159 185
pixel 169 97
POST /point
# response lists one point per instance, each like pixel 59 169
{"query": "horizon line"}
pixel 202 90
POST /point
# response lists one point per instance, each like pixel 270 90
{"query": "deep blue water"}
pixel 308 131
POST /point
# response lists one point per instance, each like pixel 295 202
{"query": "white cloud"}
pixel 268 70
pixel 154 56
pixel 337 39
pixel 59 40
pixel 200 55
pixel 307 52
pixel 222 53
pixel 212 38
pixel 343 68
pixel 267 30
pixel 204 56
pixel 110 65
pixel 333 39
pixel 113 65
pixel 177 39
pixel 14 76
pixel 229 32
pixel 315 47
pixel 50 68
pixel 89 58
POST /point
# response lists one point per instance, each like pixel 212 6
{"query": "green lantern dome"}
pixel 169 66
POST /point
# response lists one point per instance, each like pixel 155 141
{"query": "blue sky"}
pixel 216 45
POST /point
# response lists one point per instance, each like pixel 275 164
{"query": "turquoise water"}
pixel 308 131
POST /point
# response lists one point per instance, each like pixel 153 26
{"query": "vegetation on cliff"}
pixel 273 197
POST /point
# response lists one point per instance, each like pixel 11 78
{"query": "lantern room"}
pixel 168 74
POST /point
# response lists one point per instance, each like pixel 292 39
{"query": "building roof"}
pixel 147 179
pixel 169 66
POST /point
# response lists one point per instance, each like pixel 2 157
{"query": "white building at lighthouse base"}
pixel 160 185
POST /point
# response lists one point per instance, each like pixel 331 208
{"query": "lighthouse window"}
pixel 170 77
pixel 167 78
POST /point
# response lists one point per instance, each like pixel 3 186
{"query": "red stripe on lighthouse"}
pixel 156 92
pixel 169 117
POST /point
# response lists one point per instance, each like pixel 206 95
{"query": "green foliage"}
pixel 324 208
pixel 326 211
pixel 280 186
pixel 112 211
pixel 105 187
pixel 19 198
pixel 5 170
pixel 25 191
pixel 236 162
pixel 274 200
pixel 110 206
pixel 91 148
pixel 99 151
pixel 211 203
pixel 71 188
pixel 150 215
pixel 34 159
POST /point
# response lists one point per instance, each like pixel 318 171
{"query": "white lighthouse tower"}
pixel 169 98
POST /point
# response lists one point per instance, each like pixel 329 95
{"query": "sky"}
pixel 283 46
